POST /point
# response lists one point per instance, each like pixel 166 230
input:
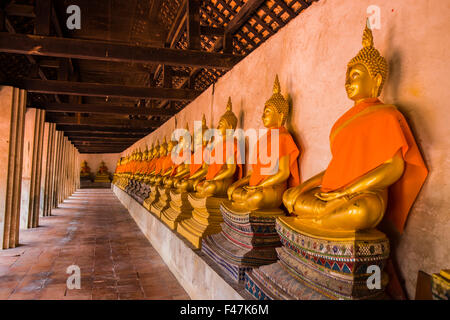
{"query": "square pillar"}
pixel 32 168
pixel 12 117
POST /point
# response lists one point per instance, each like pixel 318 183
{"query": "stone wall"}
pixel 310 55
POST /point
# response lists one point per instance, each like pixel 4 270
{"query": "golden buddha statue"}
pixel 370 144
pixel 211 191
pixel 254 201
pixel 220 175
pixel 149 172
pixel 258 191
pixel 102 174
pixel 375 173
pixel 85 170
pixel 164 162
pixel 197 168
pixel 180 170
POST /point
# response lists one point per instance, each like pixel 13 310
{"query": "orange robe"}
pixel 214 168
pixel 286 146
pixel 194 167
pixel 364 138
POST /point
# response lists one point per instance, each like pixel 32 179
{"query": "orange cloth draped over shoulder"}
pixel 286 147
pixel 180 159
pixel 166 164
pixel 217 164
pixel 197 159
pixel 158 165
pixel 364 138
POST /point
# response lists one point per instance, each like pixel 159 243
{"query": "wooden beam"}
pixel 212 31
pixel 107 109
pixel 108 51
pixel 101 129
pixel 104 90
pixel 193 24
pixel 102 121
pixel 21 10
pixel 247 10
pixel 75 134
pixel 104 139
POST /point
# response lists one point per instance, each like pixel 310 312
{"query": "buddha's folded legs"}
pixel 363 210
pixel 263 198
pixel 214 188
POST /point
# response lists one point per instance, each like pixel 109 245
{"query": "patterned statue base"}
pixel 102 178
pixel 142 192
pixel 248 240
pixel 152 198
pixel 206 219
pixel 179 209
pixel 130 186
pixel 163 203
pixel 335 266
pixel 440 285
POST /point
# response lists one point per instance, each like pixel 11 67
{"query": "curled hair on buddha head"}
pixel 229 116
pixel 370 57
pixel 278 101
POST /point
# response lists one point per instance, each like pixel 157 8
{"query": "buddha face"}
pixel 163 150
pixel 360 85
pixel 271 117
pixel 223 126
pixel 170 146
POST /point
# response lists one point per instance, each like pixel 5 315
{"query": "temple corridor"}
pixel 91 229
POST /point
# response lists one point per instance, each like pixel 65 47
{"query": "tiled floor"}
pixel 94 231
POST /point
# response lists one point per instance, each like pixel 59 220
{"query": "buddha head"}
pixel 276 109
pixel 228 120
pixel 150 152
pixel 156 150
pixel 366 72
pixel 163 148
pixel 198 136
pixel 145 153
pixel 170 145
pixel 184 143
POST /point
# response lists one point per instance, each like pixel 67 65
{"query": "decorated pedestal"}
pixel 142 192
pixel 206 219
pixel 440 285
pixel 179 209
pixel 152 198
pixel 163 202
pixel 102 177
pixel 317 267
pixel 247 240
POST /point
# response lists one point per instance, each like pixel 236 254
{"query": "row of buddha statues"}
pixel 279 237
pixel 102 175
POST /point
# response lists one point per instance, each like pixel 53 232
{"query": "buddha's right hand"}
pixel 231 189
pixel 290 196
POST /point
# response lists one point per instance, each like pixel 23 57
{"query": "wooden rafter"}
pixel 108 51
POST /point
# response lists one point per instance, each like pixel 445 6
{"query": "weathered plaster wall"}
pixel 94 160
pixel 310 55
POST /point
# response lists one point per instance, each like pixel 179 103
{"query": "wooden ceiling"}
pixel 133 64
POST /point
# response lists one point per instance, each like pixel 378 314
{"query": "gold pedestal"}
pixel 179 209
pixel 102 178
pixel 335 266
pixel 152 198
pixel 163 202
pixel 206 219
pixel 248 239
